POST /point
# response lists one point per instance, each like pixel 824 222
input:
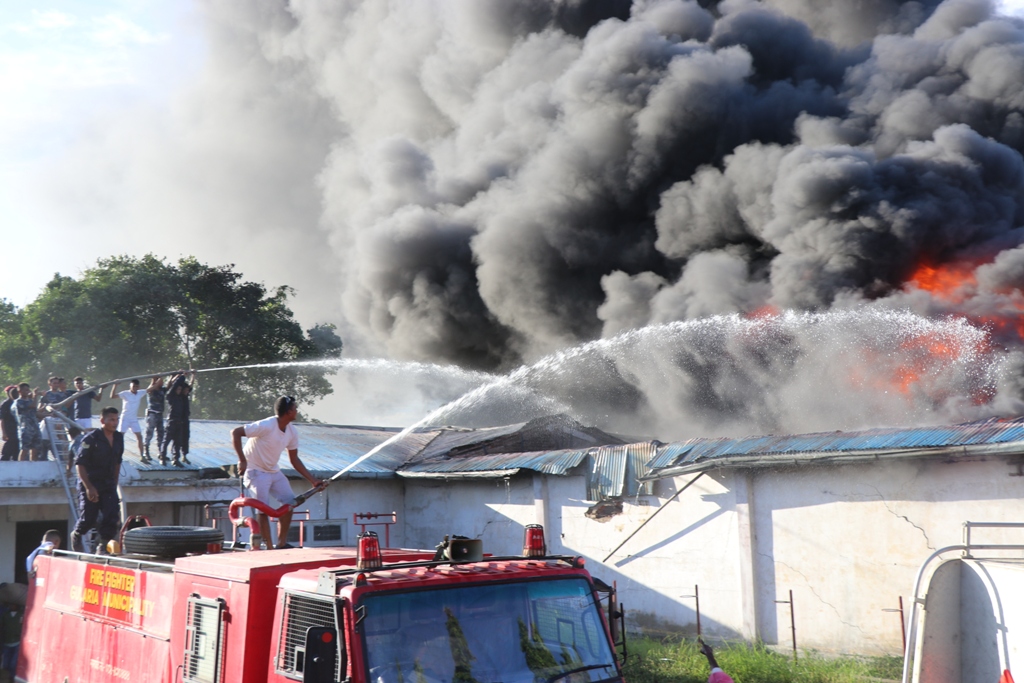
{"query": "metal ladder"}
pixel 60 444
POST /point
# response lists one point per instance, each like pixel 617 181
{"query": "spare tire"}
pixel 172 541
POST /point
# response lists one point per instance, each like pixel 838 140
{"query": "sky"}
pixel 65 65
pixel 437 183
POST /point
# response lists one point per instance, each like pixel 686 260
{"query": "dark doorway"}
pixel 28 536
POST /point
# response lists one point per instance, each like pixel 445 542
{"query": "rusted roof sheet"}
pixel 696 454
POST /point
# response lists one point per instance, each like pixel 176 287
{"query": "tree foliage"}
pixel 136 316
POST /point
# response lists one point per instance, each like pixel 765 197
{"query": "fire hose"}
pixel 234 509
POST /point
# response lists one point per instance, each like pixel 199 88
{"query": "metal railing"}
pixel 60 443
pixel 966 550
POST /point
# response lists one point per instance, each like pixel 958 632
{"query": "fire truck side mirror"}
pixel 321 655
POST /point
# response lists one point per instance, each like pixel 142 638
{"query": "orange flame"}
pixel 949 281
pixel 953 283
pixel 766 311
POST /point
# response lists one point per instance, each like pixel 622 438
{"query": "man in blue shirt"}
pixel 81 407
pixel 99 466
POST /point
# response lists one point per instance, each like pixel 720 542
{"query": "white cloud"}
pixel 1012 7
pixel 114 30
pixel 52 19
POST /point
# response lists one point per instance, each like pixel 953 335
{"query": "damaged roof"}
pixel 558 445
pixel 555 445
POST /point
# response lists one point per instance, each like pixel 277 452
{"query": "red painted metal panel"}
pixel 96 623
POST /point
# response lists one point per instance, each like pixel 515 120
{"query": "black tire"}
pixel 171 541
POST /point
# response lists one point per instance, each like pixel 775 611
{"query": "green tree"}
pixel 143 315
pixel 15 357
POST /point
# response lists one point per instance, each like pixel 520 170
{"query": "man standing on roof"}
pixel 9 425
pixel 177 432
pixel 258 463
pixel 156 393
pixel 130 400
pixel 81 407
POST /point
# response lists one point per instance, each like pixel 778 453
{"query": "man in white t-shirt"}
pixel 258 463
pixel 130 399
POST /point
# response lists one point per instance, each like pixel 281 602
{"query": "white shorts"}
pixel 84 422
pixel 267 484
pixel 129 424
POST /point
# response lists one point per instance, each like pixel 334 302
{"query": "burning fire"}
pixel 766 311
pixel 952 282
pixel 922 358
pixel 956 282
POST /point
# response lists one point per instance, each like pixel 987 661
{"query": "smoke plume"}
pixel 486 182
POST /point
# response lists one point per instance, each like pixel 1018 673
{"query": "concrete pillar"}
pixel 743 489
pixel 540 508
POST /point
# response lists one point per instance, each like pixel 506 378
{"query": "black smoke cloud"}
pixel 518 177
pixel 498 180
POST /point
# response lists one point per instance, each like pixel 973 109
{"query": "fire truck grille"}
pixel 204 640
pixel 300 613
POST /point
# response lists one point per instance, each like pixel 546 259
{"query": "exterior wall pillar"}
pixel 540 507
pixel 746 535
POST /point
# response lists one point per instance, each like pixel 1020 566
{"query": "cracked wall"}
pixel 847 540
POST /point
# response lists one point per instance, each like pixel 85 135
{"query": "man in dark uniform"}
pixel 99 466
pixel 9 425
pixel 177 432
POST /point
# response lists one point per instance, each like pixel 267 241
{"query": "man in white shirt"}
pixel 258 463
pixel 130 399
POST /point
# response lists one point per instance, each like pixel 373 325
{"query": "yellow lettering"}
pixel 92 596
pixel 75 592
pixel 119 581
pixel 96 577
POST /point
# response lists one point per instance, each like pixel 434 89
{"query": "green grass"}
pixel 668 661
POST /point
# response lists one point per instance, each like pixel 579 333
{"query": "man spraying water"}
pixel 259 468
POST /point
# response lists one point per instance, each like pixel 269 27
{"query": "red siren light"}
pixel 368 552
pixel 533 541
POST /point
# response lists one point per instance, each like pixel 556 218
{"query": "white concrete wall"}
pixel 345 497
pixel 847 540
pixel 495 510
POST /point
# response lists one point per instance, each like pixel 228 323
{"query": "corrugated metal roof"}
pixel 606 472
pixel 696 451
pixel 449 438
pixel 614 470
pixel 546 462
pixel 324 449
pixel 328 449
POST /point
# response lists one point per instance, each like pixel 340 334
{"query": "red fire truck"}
pixel 358 615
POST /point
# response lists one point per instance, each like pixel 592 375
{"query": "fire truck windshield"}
pixel 544 631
